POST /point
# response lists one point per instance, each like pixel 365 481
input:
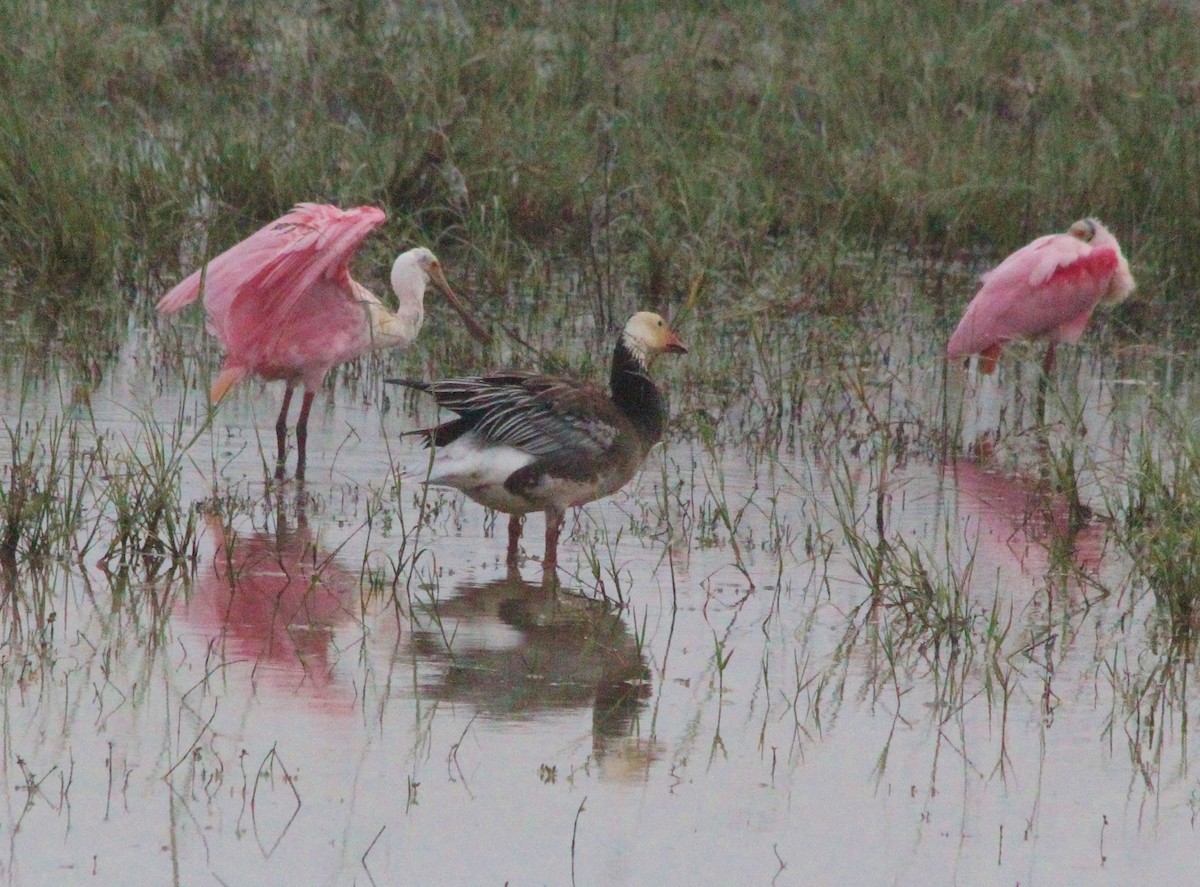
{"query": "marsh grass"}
pixel 75 498
pixel 142 497
pixel 43 490
pixel 45 486
pixel 651 149
pixel 47 522
pixel 925 619
pixel 921 595
pixel 1160 525
pixel 58 219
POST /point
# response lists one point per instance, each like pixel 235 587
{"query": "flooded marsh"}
pixel 864 617
pixel 824 636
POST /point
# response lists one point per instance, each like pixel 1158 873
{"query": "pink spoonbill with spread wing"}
pixel 284 306
pixel 1045 290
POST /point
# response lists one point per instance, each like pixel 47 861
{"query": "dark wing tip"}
pixel 409 383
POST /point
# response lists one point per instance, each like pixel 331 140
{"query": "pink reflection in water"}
pixel 274 598
pixel 1019 519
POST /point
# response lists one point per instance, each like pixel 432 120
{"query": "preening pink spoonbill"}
pixel 284 306
pixel 1045 290
pixel 525 442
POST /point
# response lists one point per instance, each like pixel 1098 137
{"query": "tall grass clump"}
pixel 47 479
pixel 1160 527
pixel 58 220
pixel 142 499
pixel 643 145
pixel 44 482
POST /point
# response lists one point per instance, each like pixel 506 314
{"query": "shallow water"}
pixel 346 686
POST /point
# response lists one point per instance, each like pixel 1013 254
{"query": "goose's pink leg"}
pixel 554 522
pixel 515 524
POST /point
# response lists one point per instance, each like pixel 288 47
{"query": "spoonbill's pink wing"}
pixel 1048 288
pixel 220 278
pixel 318 243
pixel 251 288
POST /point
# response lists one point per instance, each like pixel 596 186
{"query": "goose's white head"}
pixel 411 273
pixel 646 335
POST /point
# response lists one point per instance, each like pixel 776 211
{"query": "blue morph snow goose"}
pixel 526 442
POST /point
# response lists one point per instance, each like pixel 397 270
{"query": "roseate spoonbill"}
pixel 284 306
pixel 525 442
pixel 1045 290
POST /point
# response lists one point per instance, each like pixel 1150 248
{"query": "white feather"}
pixel 480 471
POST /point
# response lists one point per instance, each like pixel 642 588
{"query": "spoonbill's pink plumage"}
pixel 284 306
pixel 1047 289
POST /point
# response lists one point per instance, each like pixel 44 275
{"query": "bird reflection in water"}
pixel 516 650
pixel 1023 520
pixel 275 598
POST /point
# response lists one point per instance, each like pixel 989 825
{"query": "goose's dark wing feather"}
pixel 542 415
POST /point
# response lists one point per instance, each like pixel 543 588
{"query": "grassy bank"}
pixel 623 136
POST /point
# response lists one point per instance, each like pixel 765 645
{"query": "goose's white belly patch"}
pixel 480 472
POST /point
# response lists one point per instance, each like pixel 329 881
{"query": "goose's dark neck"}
pixel 636 395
